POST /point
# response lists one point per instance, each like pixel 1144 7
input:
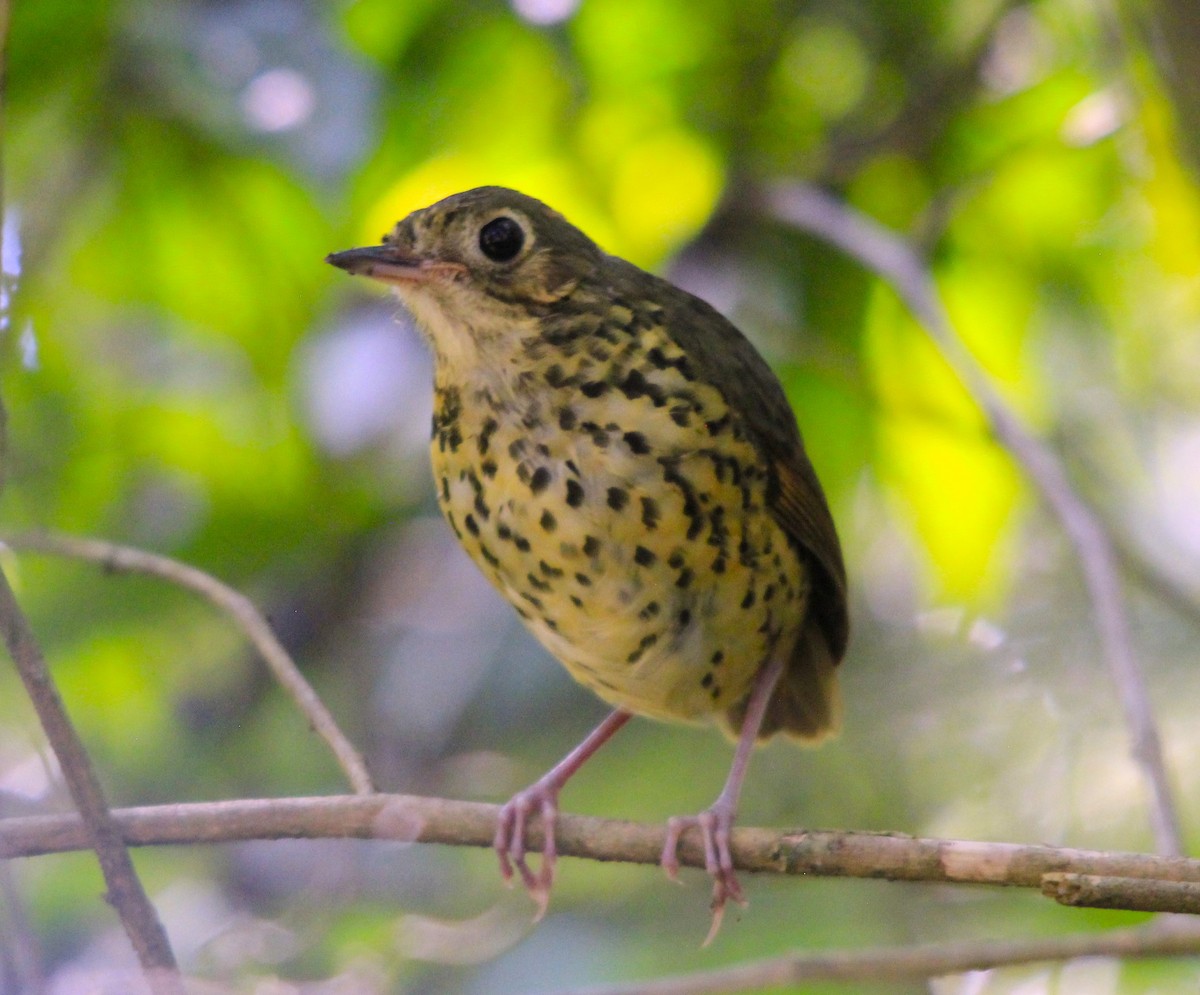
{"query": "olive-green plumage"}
pixel 622 465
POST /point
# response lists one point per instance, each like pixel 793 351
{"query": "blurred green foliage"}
pixel 183 373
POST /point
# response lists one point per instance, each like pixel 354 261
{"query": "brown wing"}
pixel 801 509
pixel 753 391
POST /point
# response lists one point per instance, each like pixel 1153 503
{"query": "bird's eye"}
pixel 501 239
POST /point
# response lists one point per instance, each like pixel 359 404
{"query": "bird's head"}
pixel 478 264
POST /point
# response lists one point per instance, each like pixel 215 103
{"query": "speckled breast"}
pixel 615 501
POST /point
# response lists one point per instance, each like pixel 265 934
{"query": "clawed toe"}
pixel 509 843
pixel 715 825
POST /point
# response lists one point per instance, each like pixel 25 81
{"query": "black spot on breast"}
pixel 583 579
pixel 471 524
pixel 707 680
pixel 566 419
pixel 591 546
pixel 681 415
pixel 649 611
pixel 481 508
pixel 547 521
pixel 718 425
pixel 719 531
pixel 445 489
pixel 643 556
pixel 540 480
pixel 594 388
pixel 618 497
pixel 548 570
pixel 658 358
pixel 637 443
pixel 645 644
pixel 675 560
pixel 634 385
pixel 576 601
pixel 489 468
pixel 748 600
pixel 485 435
pixel 574 493
pixel 488 555
pixel 537 583
pixel 685 578
pixel 521 543
pixel 556 376
pixel 650 513
pixel 718 658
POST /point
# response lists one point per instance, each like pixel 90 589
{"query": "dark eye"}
pixel 501 239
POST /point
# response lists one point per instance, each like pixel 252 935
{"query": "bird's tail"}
pixel 806 704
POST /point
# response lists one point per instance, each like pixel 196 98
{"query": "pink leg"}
pixel 542 797
pixel 716 822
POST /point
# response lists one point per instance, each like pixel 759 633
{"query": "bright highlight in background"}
pixel 545 11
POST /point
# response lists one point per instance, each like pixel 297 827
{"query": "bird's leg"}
pixel 716 822
pixel 541 798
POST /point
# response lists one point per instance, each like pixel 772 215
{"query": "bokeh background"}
pixel 184 373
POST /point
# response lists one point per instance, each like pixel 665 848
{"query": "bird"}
pixel 625 468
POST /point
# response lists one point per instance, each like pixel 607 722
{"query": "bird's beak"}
pixel 388 264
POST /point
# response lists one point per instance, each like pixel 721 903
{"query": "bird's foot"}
pixel 540 798
pixel 715 825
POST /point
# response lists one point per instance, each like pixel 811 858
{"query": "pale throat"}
pixel 477 342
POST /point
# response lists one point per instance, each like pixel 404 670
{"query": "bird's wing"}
pixel 754 393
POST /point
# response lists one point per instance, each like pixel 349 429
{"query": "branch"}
pixel 897 262
pixel 415 819
pixel 240 608
pixel 895 964
pixel 99 830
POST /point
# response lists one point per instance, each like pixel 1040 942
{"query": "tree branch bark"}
pixel 824 853
pixel 98 829
pixel 895 964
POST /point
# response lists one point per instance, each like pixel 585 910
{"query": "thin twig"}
pixel 22 951
pixel 240 608
pixel 102 833
pixel 892 258
pixel 414 819
pixel 894 964
pixel 1102 891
